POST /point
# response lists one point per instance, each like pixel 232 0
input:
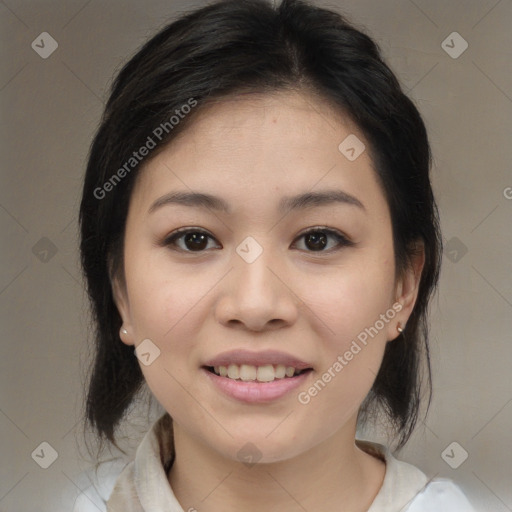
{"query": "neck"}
pixel 332 473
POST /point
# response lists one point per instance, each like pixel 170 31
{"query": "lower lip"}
pixel 256 392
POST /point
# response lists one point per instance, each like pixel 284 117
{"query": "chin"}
pixel 257 448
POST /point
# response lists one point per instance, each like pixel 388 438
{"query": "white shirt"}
pixel 141 485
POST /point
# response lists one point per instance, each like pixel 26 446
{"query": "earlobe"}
pixel 125 337
pixel 121 302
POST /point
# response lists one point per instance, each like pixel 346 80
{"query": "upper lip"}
pixel 273 357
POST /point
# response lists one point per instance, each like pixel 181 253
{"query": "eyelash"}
pixel 342 240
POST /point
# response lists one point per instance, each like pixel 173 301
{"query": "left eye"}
pixel 318 239
pixel 196 240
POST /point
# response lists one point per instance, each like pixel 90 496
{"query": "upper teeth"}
pixel 245 372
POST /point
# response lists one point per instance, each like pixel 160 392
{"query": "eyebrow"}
pixel 286 205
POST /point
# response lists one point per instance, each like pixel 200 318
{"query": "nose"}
pixel 257 296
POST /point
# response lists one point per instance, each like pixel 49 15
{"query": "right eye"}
pixel 194 240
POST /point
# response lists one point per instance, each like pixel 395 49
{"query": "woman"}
pixel 260 242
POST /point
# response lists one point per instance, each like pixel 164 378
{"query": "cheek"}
pixel 334 398
pixel 349 298
pixel 169 314
pixel 162 295
pixel 166 308
pixel 350 302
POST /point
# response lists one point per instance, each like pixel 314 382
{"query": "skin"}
pixel 252 150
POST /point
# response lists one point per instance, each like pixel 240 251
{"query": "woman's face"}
pixel 249 289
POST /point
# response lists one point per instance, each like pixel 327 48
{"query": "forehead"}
pixel 281 119
pixel 252 148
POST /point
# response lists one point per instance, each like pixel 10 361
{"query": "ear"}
pixel 407 288
pixel 120 295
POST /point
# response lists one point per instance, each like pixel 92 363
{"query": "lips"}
pixel 254 392
pixel 256 377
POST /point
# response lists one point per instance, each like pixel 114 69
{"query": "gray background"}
pixel 49 111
